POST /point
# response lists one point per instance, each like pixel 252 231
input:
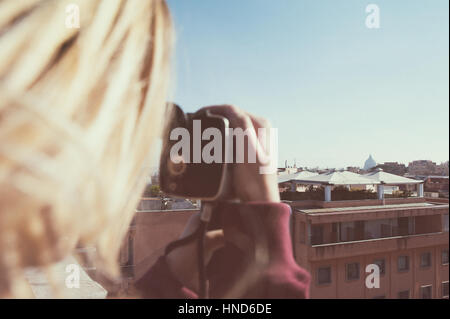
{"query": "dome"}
pixel 370 162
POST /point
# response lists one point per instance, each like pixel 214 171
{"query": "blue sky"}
pixel 336 90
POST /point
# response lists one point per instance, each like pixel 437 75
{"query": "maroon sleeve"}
pixel 160 283
pixel 256 262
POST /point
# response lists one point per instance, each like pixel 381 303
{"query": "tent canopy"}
pixel 338 178
pixel 282 178
pixel 390 179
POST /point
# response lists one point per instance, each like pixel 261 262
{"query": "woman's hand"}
pixel 248 183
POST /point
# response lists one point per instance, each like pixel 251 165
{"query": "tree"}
pixel 152 191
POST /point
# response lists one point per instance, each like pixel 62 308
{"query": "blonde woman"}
pixel 81 105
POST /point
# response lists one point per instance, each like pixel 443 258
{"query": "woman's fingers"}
pixel 258 121
pixel 259 186
pixel 244 120
pixel 261 123
pixel 236 116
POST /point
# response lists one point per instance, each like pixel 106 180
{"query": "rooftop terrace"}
pixel 365 208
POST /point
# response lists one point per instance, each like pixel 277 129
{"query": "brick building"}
pixel 422 167
pixel 437 184
pixel 407 238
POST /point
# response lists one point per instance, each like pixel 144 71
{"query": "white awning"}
pixel 339 178
pixel 392 179
pixel 282 178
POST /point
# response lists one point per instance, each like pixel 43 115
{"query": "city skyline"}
pixel 336 90
pixel 291 163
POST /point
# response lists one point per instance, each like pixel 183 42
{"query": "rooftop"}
pixel 367 208
pixel 282 178
pixel 387 178
pixel 339 178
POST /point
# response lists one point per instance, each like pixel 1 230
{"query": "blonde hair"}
pixel 79 111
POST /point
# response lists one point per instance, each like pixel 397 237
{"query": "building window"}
pixel 403 263
pixel 381 263
pixel 324 275
pixel 335 232
pixel 316 234
pixel 360 227
pixel 403 294
pixel 445 289
pixel 425 260
pixel 302 232
pixel 352 231
pixel 379 228
pixel 445 257
pixel 352 271
pixel 426 292
pixel 405 226
pixel 347 231
pixel 445 223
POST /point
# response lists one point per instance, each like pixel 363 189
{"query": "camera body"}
pixel 188 168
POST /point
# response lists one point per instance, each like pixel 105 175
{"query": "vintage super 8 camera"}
pixel 184 172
